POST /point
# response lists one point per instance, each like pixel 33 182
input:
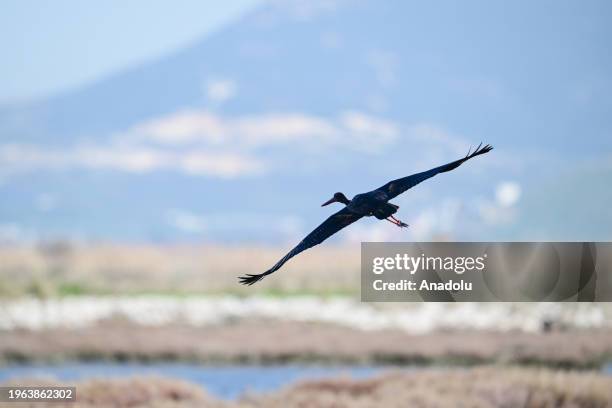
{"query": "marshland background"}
pixel 152 151
pixel 167 324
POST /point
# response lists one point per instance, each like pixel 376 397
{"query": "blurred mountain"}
pixel 240 136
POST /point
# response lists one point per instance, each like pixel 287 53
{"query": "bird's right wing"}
pixel 329 227
pixel 397 187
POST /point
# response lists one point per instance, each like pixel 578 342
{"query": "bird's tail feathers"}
pixel 385 211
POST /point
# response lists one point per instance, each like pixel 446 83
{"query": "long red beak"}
pixel 331 200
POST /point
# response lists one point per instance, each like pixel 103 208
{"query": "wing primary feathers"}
pixel 250 279
pixel 329 227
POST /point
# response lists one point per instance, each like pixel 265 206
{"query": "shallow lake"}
pixel 227 382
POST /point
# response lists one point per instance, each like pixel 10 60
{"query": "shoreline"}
pixel 77 312
pixel 483 387
pixel 257 342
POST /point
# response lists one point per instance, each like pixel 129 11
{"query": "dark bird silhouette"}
pixel 374 203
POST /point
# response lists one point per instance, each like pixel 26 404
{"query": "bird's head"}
pixel 337 198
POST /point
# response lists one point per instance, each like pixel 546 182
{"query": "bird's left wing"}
pixel 329 227
pixel 397 187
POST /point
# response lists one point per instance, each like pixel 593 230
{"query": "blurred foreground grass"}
pixel 60 269
pixel 477 387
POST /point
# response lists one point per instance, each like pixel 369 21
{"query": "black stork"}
pixel 374 203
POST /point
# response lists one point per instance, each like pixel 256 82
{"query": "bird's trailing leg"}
pixel 397 222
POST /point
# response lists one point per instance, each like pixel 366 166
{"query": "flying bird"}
pixel 374 203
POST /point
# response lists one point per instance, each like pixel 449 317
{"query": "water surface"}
pixel 227 382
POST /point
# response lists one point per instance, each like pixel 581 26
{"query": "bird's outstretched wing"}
pixel 329 227
pixel 397 187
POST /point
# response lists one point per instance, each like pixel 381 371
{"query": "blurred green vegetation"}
pixel 45 288
pixel 63 269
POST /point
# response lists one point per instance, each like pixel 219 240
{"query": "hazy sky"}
pixel 52 45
